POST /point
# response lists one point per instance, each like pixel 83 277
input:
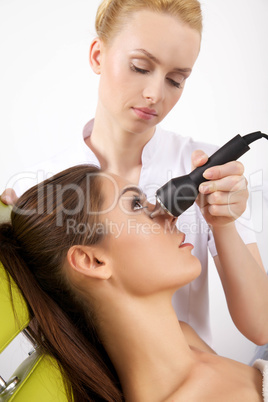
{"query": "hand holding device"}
pixel 178 194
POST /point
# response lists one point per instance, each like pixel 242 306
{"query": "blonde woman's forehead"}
pixel 112 14
pixel 160 35
pixel 151 23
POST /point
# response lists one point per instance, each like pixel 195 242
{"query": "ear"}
pixel 89 261
pixel 95 55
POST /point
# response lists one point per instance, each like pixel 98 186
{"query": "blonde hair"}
pixel 112 14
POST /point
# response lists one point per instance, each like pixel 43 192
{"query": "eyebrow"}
pixel 157 61
pixel 136 189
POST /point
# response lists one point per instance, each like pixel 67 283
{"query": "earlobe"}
pixel 95 55
pixel 85 260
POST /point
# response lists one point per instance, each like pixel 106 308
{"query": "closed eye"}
pixel 138 70
pixel 143 71
pixel 174 83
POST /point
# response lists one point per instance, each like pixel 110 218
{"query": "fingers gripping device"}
pixel 178 194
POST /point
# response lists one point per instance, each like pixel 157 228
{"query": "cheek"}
pixel 116 87
pixel 147 263
pixel 115 71
pixel 133 256
pixel 171 98
pixel 177 266
pixel 142 265
pixel 174 97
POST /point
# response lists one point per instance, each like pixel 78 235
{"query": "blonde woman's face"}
pixel 144 69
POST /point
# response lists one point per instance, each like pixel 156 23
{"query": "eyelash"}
pixel 137 200
pixel 138 70
pixel 142 71
pixel 174 83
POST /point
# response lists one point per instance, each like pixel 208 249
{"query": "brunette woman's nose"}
pixel 161 216
pixel 166 220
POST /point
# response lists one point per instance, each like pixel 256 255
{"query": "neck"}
pixel 146 345
pixel 118 150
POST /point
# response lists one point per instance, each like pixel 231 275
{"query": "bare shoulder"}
pixel 215 378
pixel 194 339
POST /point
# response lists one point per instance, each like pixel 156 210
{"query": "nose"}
pixel 162 215
pixel 154 91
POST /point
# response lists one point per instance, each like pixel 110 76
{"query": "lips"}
pixel 147 110
pixel 145 113
pixel 183 245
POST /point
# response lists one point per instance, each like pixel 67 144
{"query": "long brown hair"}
pixel 33 248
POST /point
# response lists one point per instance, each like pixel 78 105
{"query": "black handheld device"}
pixel 179 193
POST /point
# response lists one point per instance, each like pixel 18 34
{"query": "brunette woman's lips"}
pixel 183 245
pixel 145 113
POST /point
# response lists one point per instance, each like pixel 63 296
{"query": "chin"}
pixel 198 266
pixel 194 269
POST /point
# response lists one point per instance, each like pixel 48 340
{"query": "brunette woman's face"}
pixel 144 69
pixel 147 254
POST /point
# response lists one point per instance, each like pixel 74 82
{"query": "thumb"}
pixel 9 197
pixel 198 158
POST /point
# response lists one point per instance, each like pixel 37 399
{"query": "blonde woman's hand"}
pixel 223 198
pixel 9 197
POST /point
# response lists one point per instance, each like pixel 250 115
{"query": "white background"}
pixel 48 92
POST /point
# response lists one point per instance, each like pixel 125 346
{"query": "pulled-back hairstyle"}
pixel 33 249
pixel 113 14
